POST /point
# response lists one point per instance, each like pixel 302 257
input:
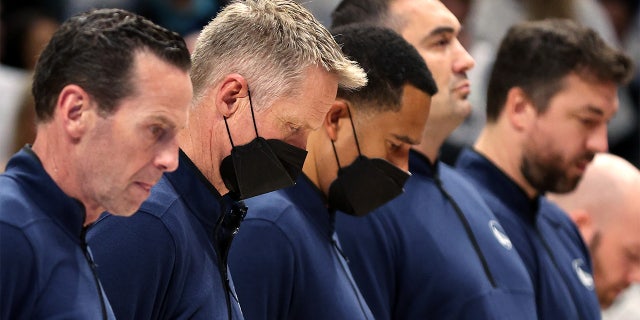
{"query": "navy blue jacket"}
pixel 286 260
pixel 45 268
pixel 160 263
pixel 436 252
pixel 547 240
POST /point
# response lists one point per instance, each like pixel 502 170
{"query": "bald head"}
pixel 606 208
pixel 605 191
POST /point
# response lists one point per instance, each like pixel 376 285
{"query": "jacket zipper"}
pixel 547 248
pixel 468 230
pixel 343 264
pixel 92 265
pixel 225 230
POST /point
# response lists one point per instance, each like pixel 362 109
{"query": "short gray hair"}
pixel 271 43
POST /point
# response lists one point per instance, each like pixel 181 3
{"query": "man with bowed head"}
pixel 104 137
pixel 606 208
pixel 286 259
pixel 436 251
pixel 551 93
pixel 257 96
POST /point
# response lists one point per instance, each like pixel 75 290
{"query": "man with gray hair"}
pixel 265 72
pixel 606 209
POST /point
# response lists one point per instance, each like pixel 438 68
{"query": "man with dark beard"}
pixel 551 93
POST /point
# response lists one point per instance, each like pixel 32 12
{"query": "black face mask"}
pixel 365 184
pixel 260 166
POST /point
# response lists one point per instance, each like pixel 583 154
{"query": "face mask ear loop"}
pixel 335 153
pixel 354 132
pixel 228 132
pixel 255 127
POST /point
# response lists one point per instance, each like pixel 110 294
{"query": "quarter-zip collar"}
pixel 202 198
pixel 68 213
pixel 499 183
pixel 313 203
pixel 421 165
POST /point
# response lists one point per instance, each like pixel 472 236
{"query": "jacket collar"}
pixel 487 174
pixel 202 198
pixel 421 165
pixel 307 196
pixel 67 212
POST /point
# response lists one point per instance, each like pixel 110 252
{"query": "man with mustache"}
pixel 606 208
pixel 551 92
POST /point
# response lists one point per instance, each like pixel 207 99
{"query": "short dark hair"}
pixel 95 50
pixel 537 56
pixel 360 11
pixel 390 63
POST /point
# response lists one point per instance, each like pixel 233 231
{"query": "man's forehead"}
pixel 303 115
pixel 400 126
pixel 604 111
pixel 407 131
pixel 431 14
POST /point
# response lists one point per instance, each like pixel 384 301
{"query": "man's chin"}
pixel 463 108
pixel 566 185
pixel 125 209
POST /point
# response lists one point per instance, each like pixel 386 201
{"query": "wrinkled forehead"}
pixel 307 106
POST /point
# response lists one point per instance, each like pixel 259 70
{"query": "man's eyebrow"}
pixel 406 139
pixel 163 120
pixel 441 30
pixel 595 110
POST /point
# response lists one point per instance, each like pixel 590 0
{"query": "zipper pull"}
pixel 335 245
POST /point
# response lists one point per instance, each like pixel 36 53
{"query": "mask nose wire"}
pixel 253 118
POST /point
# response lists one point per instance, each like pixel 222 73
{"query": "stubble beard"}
pixel 547 174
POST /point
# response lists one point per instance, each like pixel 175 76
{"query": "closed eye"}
pixel 633 257
pixel 589 122
pixel 393 147
pixel 158 132
pixel 293 128
pixel 443 42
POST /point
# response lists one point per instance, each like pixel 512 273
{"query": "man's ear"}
pixel 331 124
pixel 519 109
pixel 584 222
pixel 72 108
pixel 233 87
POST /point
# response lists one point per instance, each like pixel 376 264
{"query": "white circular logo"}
pixel 584 276
pixel 500 235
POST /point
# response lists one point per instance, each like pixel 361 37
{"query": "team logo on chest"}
pixel 584 276
pixel 500 235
